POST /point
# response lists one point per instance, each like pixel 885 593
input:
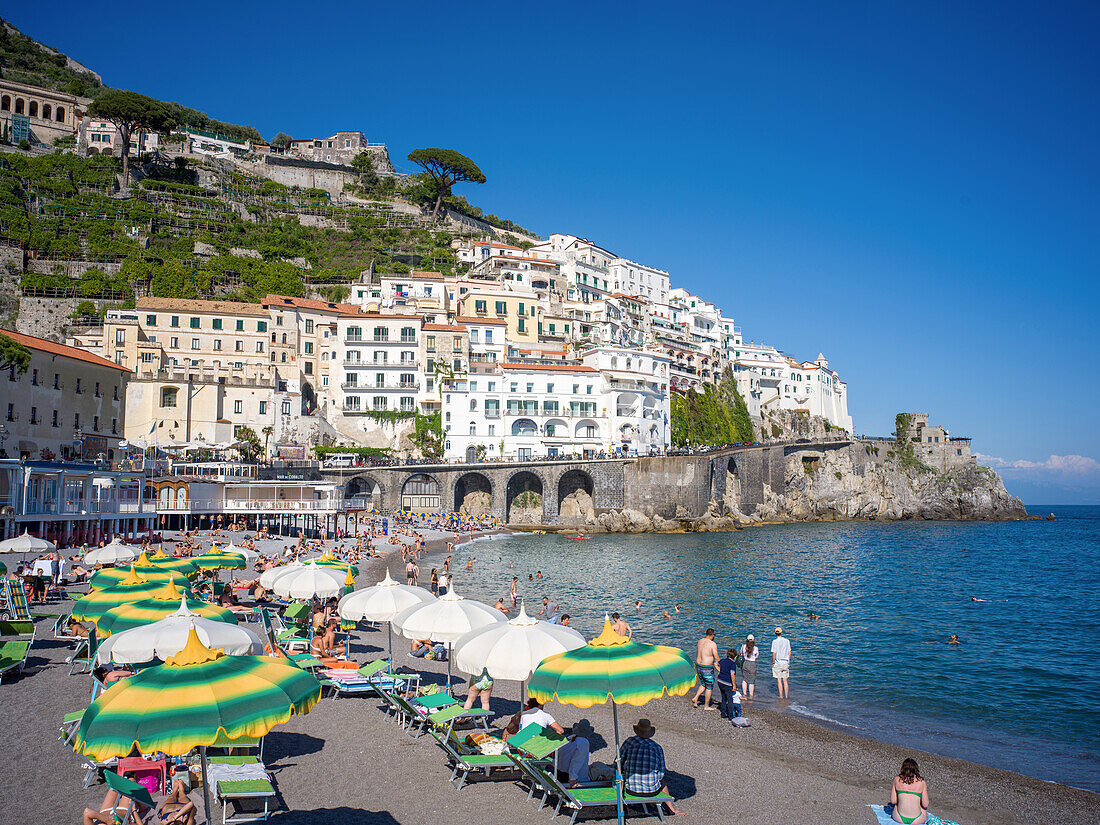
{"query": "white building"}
pixel 636 389
pixel 379 359
pixel 634 278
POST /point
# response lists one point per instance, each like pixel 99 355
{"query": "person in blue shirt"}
pixel 730 703
pixel 643 764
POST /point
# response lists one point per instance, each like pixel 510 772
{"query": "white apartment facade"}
pixel 379 363
pixel 636 389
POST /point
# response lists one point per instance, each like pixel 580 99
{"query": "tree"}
pixel 13 355
pixel 250 443
pixel 363 163
pixel 281 140
pixel 427 436
pixel 130 112
pixel 445 168
pixel 267 431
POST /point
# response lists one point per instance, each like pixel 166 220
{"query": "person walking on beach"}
pixel 781 662
pixel 513 590
pixel 412 572
pixel 749 653
pixel 620 627
pixel 727 683
pixel 706 658
pixel 549 610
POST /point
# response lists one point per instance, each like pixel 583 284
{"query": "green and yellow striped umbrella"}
pixel 167 600
pixel 612 667
pixel 214 559
pixel 329 560
pixel 193 698
pixel 134 587
pixel 162 561
pixel 113 576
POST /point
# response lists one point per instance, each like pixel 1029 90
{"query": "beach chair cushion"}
pixel 16 627
pixel 17 601
pixel 536 741
pixel 13 655
pixel 434 701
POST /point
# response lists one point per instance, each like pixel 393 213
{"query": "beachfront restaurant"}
pixel 72 503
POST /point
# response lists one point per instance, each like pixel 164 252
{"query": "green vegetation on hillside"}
pixel 63 208
pixel 716 416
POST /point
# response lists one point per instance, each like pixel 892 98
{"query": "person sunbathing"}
pixel 176 807
pixel 259 593
pixel 324 645
pixel 78 629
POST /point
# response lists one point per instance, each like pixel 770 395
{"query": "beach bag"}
pixel 742 722
pixel 739 660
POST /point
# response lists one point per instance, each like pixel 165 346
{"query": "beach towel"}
pixel 883 814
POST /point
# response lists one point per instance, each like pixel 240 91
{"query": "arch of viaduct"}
pixel 671 486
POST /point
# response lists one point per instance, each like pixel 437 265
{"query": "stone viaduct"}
pixel 669 486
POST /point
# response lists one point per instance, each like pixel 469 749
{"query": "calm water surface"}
pixel 1022 692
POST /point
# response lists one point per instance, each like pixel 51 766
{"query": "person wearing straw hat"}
pixel 643 764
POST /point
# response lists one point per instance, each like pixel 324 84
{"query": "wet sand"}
pixel 343 763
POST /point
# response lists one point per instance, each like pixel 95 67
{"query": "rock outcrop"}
pixel 477 503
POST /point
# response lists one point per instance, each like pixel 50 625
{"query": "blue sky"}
pixel 910 188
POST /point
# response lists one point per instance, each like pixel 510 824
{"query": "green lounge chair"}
pixel 13 656
pixel 370 679
pixel 602 796
pixel 84 655
pixel 532 744
pixel 17 601
pixel 448 716
pixel 223 741
pixel 251 798
pixel 130 793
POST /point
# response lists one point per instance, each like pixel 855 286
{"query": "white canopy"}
pixel 250 556
pixel 445 619
pixel 382 601
pixel 26 543
pixel 514 649
pixel 311 581
pixel 168 636
pixel 114 553
pixel 269 576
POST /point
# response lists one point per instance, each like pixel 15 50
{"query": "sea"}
pixel 1021 692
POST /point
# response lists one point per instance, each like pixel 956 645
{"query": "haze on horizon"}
pixel 910 190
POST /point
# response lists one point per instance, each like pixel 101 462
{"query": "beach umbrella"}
pixel 188 701
pixel 382 602
pixel 114 553
pixel 311 581
pixel 168 637
pixel 163 561
pixel 514 649
pixel 269 576
pixel 133 587
pixel 3 568
pixel 250 556
pixel 445 620
pixel 214 559
pixel 613 667
pixel 328 560
pixel 26 543
pixel 167 600
pixel 111 576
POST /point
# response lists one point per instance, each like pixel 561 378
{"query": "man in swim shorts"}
pixel 706 658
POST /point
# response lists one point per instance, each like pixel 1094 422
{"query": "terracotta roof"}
pixel 194 305
pixel 366 316
pixel 554 367
pixel 444 328
pixel 496 245
pixel 466 319
pixel 424 274
pixel 53 348
pixel 309 303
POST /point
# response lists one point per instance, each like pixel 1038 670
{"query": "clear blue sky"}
pixel 910 188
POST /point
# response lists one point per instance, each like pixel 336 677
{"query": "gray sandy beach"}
pixel 344 763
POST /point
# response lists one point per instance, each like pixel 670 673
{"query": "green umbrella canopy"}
pixel 134 587
pixel 192 698
pixel 217 560
pixel 329 560
pixel 112 576
pixel 612 667
pixel 167 600
pixel 163 561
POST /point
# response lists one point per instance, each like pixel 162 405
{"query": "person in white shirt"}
pixel 534 712
pixel 781 662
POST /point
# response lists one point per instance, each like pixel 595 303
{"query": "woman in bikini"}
pixel 909 795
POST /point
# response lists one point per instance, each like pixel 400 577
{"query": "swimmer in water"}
pixel 667 617
pixel 976 599
pixel 637 604
pixel 814 616
pixel 954 640
pixel 677 608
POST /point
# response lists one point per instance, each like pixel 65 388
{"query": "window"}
pixel 120 336
pixel 514 387
pixel 550 388
pixel 456 345
pixel 116 392
pixel 168 397
pixel 309 326
pixel 351 403
pixel 194 343
pixel 35 419
pixel 97 393
pixel 354 334
pixel 238 346
pixel 34 378
pixel 11 412
pixel 283 359
pixel 278 320
pixel 259 346
pixel 54 422
pixel 261 326
pixel 175 322
pixel 530 386
pixel 408 335
pixel 79 391
pixel 473 336
pixel 381 357
pixel 429 343
pixel 309 368
pixel 195 323
pixel 502 308
pixel 588 390
pixel 492 429
pixel 520 311
pixel 576 388
pixel 240 325
pixel 114 426
pixel 379 379
pixel 408 357
pixel 488 336
pixel 381 334
pixel 380 402
pixel 217 345
pixel 95 423
pixel 480 306
pixel 238 407
pixel 473 429
pixel 521 325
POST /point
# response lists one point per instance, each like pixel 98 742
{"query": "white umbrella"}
pixel 114 553
pixel 445 620
pixel 311 581
pixel 26 543
pixel 514 649
pixel 250 556
pixel 168 636
pixel 382 602
pixel 268 577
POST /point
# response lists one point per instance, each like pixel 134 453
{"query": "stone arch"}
pixel 309 398
pixel 469 483
pixel 59 114
pixel 527 484
pixel 364 491
pixel 92 150
pixel 573 481
pixel 20 106
pixel 421 492
pixel 586 428
pixel 47 111
pixel 107 150
pixel 5 103
pixel 32 109
pixel 524 426
pixel 733 479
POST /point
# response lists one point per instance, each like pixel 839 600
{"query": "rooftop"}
pixel 195 305
pixel 53 348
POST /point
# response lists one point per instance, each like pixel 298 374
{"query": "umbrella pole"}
pixel 618 765
pixel 206 785
pixel 389 633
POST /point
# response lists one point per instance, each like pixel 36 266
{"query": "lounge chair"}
pixel 17 601
pixel 84 655
pixel 69 725
pixel 369 679
pixel 130 793
pixel 532 744
pixel 13 656
pixel 244 782
pixel 247 742
pixel 599 796
pixel 61 629
pixel 447 717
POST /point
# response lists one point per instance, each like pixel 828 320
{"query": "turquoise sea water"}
pixel 1022 691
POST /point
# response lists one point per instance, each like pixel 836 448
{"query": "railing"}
pixel 251 505
pixel 403 385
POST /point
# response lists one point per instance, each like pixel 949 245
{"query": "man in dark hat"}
pixel 643 762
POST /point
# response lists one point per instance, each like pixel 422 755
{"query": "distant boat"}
pixel 581 536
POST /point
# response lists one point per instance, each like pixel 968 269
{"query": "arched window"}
pixel 32 110
pixel 5 103
pixel 284 358
pixel 59 114
pixel 284 337
pixel 19 106
pixel 47 111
